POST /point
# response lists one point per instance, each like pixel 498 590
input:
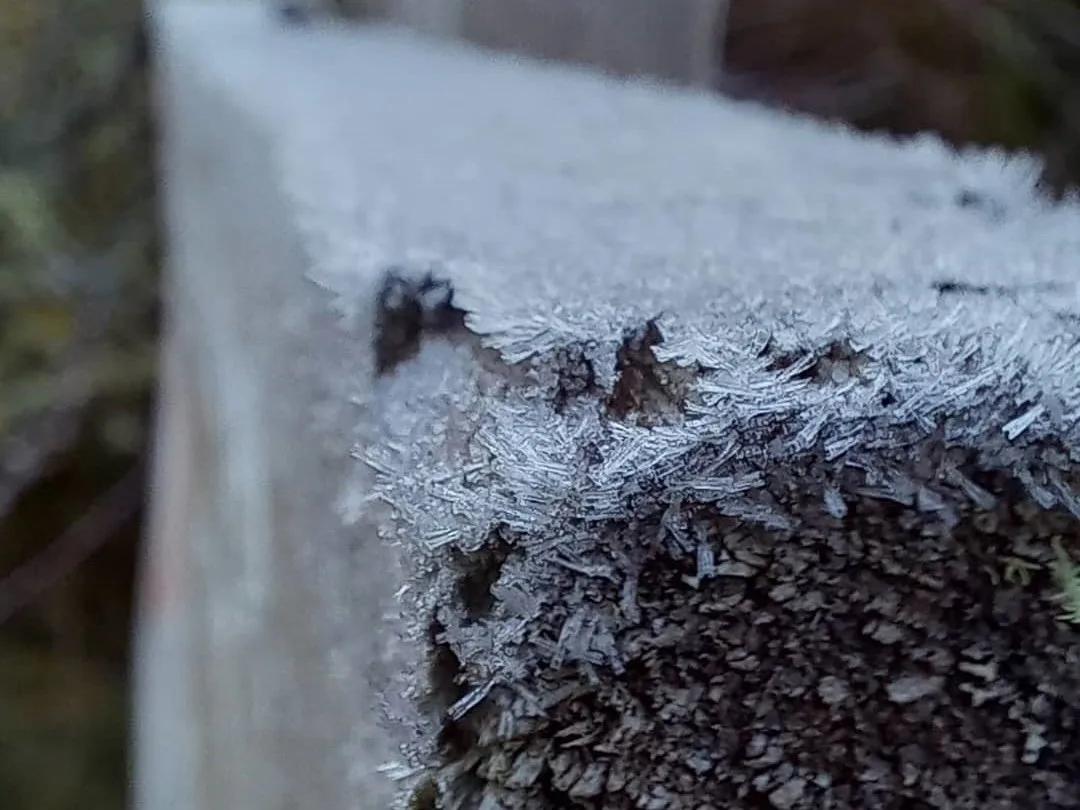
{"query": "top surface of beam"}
pixel 544 190
pixel 567 207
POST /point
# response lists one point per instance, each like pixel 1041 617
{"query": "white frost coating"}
pixel 567 209
pixel 823 292
pixel 1023 422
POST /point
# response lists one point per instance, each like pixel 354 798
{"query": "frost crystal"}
pixel 834 503
pixel 1021 423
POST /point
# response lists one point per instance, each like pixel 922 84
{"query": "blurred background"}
pixel 79 269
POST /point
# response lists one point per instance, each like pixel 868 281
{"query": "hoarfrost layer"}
pixel 838 321
pixel 836 312
pixel 830 296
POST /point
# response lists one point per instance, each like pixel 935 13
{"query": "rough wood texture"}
pixel 722 460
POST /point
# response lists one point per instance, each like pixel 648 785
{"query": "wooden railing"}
pixel 714 444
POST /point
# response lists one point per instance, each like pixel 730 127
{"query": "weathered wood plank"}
pixel 705 456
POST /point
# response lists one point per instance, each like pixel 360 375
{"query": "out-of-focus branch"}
pixel 107 515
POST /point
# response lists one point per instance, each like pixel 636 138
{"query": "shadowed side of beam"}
pixel 241 656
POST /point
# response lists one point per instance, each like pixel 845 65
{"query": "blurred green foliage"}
pixel 1034 67
pixel 1004 72
pixel 78 299
pixel 59 722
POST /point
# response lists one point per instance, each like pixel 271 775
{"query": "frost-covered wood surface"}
pixel 698 457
